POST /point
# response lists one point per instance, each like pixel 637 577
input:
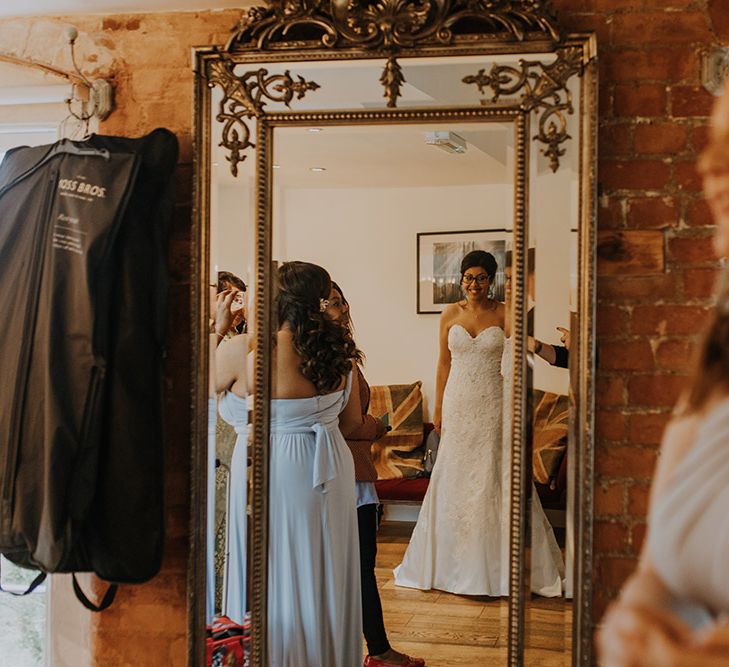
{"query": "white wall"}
pixel 552 213
pixel 233 225
pixel 366 239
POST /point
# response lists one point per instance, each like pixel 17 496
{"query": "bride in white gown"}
pixel 461 540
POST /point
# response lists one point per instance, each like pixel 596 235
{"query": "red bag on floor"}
pixel 227 644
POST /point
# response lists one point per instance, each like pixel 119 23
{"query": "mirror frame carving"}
pixel 317 30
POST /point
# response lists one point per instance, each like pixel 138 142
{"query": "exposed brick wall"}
pixel 149 59
pixel 653 116
pixel 154 87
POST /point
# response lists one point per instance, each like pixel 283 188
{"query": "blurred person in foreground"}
pixel 674 610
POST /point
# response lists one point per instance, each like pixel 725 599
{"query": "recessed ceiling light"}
pixel 277 166
pixel 317 168
pixel 448 141
pixel 215 164
pixel 315 129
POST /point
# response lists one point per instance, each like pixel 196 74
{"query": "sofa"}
pixel 399 455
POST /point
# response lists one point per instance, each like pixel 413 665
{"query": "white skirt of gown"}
pixel 547 564
pixel 460 543
pixel 314 607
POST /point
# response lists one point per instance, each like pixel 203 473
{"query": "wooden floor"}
pixel 449 630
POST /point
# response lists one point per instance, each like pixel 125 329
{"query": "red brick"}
pixel 689 101
pixel 571 21
pixel 647 428
pixel 602 5
pixel 667 4
pixel 611 537
pixel 611 391
pixel 637 537
pixel 640 100
pixel 658 64
pixel 609 500
pixel 687 178
pixel 655 391
pixel 611 216
pixel 616 139
pixel 700 138
pixel 610 426
pixel 691 249
pixel 652 212
pixel 660 138
pixel 634 175
pixel 611 320
pixel 632 289
pixel 638 496
pixel 675 355
pixel 605 97
pixel 699 214
pixel 630 252
pixel 699 283
pixel 601 600
pixel 668 320
pixel 660 28
pixel 635 463
pixel 627 356
pixel 719 18
pixel 614 570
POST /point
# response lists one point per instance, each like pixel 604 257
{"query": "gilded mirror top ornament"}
pixel 244 97
pixel 542 88
pixel 388 24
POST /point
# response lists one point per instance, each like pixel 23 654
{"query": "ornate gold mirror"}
pixel 385 142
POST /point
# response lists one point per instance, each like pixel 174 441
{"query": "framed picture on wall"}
pixel 439 256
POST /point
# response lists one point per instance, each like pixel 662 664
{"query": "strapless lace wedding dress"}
pixel 547 564
pixel 460 542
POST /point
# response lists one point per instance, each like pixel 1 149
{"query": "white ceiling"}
pixel 382 156
pixel 70 7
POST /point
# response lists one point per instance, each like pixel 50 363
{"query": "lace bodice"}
pixel 474 382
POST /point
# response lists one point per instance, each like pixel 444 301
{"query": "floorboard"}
pixel 463 631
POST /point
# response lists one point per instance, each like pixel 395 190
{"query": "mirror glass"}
pixel 390 215
pixel 231 272
pixel 552 305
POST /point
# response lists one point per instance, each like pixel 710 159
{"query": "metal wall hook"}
pixel 100 94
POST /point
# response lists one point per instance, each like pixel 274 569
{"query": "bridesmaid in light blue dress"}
pixel 314 608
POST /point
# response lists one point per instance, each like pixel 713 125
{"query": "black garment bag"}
pixel 83 250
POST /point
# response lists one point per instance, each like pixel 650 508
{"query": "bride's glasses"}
pixel 480 279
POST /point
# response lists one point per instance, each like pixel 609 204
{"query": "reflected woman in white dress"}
pixel 457 542
pixel 461 540
pixel 314 608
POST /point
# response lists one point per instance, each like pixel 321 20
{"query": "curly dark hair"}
pixel 325 346
pixel 358 354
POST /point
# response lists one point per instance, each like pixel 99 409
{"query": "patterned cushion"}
pixel 399 454
pixel 551 421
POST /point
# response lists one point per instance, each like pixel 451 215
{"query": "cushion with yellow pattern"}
pixel 398 454
pixel 551 423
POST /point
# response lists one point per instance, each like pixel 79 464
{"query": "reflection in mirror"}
pixel 391 215
pixel 230 318
pixel 552 293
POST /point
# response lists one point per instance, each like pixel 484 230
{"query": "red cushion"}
pixel 402 489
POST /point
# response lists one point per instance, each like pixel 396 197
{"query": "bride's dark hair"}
pixel 326 347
